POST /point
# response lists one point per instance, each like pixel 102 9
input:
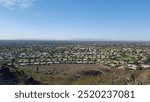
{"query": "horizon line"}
pixel 92 39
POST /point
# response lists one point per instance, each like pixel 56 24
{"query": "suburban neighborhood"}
pixel 114 56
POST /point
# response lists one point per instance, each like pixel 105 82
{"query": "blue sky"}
pixel 69 19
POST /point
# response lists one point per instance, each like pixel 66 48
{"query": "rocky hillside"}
pixel 15 76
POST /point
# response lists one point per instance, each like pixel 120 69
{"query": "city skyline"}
pixel 75 19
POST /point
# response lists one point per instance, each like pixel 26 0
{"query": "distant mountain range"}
pixel 87 39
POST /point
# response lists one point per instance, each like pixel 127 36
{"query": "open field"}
pixel 86 74
pixel 73 67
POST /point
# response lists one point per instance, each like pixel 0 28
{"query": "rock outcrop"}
pixel 14 76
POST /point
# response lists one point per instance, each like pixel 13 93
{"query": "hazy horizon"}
pixel 74 39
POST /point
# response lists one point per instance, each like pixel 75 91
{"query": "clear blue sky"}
pixel 68 19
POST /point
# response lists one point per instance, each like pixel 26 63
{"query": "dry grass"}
pixel 67 75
